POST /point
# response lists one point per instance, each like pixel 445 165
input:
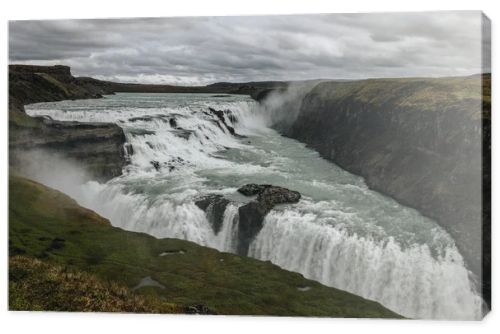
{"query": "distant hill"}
pixel 30 84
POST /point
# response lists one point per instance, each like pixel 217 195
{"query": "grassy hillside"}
pixel 35 285
pixel 80 256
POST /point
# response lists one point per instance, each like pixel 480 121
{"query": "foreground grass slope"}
pixel 35 285
pixel 62 257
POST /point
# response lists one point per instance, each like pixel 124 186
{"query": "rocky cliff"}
pixel 419 141
pixel 98 147
pixel 32 84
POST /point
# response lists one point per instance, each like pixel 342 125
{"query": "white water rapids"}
pixel 341 233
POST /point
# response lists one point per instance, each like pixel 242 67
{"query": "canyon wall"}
pixel 98 147
pixel 419 141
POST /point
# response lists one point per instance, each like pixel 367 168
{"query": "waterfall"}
pixel 226 239
pixel 341 233
pixel 407 279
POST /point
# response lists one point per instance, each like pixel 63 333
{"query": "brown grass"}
pixel 37 285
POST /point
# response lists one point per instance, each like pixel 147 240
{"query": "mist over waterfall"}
pixel 183 147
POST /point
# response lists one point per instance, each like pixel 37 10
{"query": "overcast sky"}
pixel 201 50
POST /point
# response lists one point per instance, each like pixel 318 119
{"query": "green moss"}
pixel 47 224
pixel 21 119
pixel 426 94
pixel 55 82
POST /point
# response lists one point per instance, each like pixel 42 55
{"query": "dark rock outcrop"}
pixel 129 149
pixel 220 95
pixel 140 119
pixel 173 122
pixel 214 207
pixel 155 164
pixel 32 84
pixel 271 196
pixel 199 309
pixel 419 141
pixel 220 115
pixel 251 215
pixel 182 133
pixel 141 132
pixel 98 147
pixel 252 189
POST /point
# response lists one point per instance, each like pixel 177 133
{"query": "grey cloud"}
pixel 200 50
pixel 385 37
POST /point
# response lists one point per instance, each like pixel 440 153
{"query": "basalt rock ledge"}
pixel 251 215
pixel 97 147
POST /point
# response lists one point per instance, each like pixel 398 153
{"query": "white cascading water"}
pixel 341 233
pixel 410 280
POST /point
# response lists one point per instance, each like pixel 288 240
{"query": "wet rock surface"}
pixel 141 132
pixel 97 147
pixel 271 196
pixel 252 189
pixel 251 215
pixel 156 164
pixel 220 115
pixel 214 207
pixel 173 122
pixel 182 133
